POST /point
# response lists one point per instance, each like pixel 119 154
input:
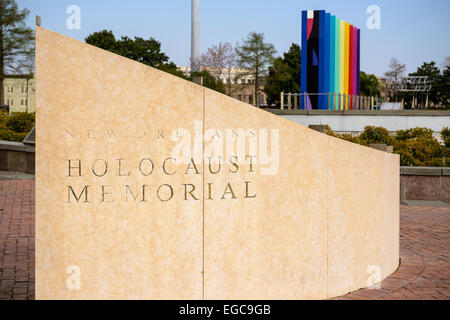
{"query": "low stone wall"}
pixel 354 121
pixel 16 156
pixel 425 183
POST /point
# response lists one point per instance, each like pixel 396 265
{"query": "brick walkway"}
pixel 424 272
pixel 17 239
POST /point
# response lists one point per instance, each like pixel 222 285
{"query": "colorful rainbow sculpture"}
pixel 330 63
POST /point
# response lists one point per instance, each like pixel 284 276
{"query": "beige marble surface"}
pixel 149 250
pixel 363 219
pixel 308 231
pixel 272 246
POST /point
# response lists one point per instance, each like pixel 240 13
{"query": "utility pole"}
pixel 195 36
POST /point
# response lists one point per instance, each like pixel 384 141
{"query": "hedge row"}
pixel 16 127
pixel 416 147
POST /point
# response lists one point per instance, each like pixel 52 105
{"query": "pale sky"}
pixel 411 30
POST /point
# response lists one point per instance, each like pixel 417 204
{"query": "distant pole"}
pixel 281 100
pixel 195 35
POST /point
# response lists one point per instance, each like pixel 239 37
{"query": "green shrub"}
pixel 3 118
pixel 348 137
pixel 435 162
pixel 406 153
pixel 10 135
pixel 419 151
pixel 415 133
pixel 21 122
pixel 445 135
pixel 16 127
pixel 345 136
pixel 330 132
pixel 416 147
pixel 447 143
pixel 376 135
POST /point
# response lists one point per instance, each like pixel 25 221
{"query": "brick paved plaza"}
pixel 16 239
pixel 424 272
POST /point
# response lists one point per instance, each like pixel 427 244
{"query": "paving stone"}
pixel 425 263
pixel 16 239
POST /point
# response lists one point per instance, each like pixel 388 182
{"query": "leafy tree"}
pixel 369 85
pixel 144 51
pixel 173 69
pixel 148 52
pixel 443 88
pixel 209 80
pixel 277 81
pixel 16 42
pixel 284 75
pixel 446 63
pixel 103 39
pixel 433 73
pixel 429 69
pixel 255 55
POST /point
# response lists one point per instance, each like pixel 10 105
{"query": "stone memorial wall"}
pixel 152 187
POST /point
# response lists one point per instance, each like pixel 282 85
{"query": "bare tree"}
pixel 395 74
pixel 219 60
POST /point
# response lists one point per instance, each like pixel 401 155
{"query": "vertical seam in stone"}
pixel 203 196
pixel 328 198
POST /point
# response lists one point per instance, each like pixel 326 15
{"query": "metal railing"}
pixel 326 101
